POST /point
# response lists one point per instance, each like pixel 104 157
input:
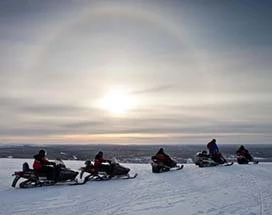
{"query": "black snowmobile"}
pixel 34 179
pixel 244 157
pixel 116 171
pixel 158 167
pixel 244 160
pixel 203 159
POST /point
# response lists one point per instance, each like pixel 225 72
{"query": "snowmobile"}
pixel 158 167
pixel 35 179
pixel 202 159
pixel 243 160
pixel 116 171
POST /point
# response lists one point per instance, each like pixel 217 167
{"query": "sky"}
pixel 135 72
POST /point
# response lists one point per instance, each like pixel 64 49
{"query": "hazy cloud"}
pixel 193 69
pixel 152 90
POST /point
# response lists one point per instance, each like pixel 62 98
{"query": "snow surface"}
pixel 235 190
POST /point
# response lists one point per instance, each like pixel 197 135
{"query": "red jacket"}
pixel 160 157
pixel 98 162
pixel 39 162
pixel 242 152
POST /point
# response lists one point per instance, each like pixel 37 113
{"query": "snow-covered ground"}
pixel 238 189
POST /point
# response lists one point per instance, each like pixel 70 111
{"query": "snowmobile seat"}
pixel 27 170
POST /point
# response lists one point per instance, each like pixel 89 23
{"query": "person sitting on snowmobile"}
pixel 202 157
pixel 43 166
pixel 100 163
pixel 243 156
pixel 89 167
pixel 204 154
pixel 214 152
pixel 163 159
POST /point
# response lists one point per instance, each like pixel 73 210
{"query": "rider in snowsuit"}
pixel 243 156
pixel 99 164
pixel 215 153
pixel 43 166
pixel 164 159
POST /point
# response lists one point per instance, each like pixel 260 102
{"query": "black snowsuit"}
pixel 164 159
pixel 243 156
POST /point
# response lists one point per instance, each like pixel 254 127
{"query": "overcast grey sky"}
pixel 192 70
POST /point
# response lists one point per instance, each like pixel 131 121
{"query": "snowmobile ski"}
pixel 158 169
pixel 78 183
pixel 179 167
pixel 131 176
pixel 228 164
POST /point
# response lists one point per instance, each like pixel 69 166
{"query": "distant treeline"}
pixel 128 153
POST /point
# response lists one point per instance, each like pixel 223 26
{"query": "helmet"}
pixel 88 163
pixel 204 152
pixel 42 152
pixel 161 150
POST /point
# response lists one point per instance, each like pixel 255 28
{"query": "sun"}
pixel 116 102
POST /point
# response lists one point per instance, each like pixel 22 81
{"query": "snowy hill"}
pixel 236 190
